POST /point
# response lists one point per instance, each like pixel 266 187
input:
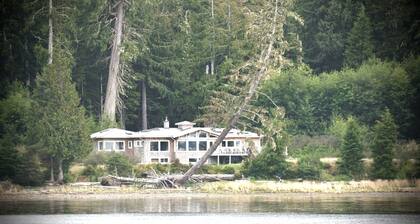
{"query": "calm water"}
pixel 269 208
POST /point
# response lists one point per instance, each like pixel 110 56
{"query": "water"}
pixel 202 208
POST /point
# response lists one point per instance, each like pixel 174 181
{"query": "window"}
pixel 182 145
pixel 202 145
pixel 109 145
pixel 202 135
pixel 154 146
pixel 192 135
pixel 213 136
pixel 238 143
pixel 100 145
pixel 192 146
pixel 230 143
pixel 211 143
pixel 137 144
pixel 130 144
pixel 192 160
pixel 224 144
pixel 119 145
pixel 163 146
pixel 164 160
pixel 155 160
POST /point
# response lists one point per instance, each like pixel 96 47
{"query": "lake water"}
pixel 202 208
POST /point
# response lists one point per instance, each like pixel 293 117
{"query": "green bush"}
pixel 269 164
pixel 93 172
pixel 119 164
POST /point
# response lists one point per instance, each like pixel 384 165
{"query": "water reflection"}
pixel 269 203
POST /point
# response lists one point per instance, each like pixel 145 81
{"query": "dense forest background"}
pixel 348 59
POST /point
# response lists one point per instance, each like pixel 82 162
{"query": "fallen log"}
pixel 162 181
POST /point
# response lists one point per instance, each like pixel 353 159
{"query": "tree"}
pixel 359 42
pixel 61 123
pixel 275 29
pixel 115 82
pixel 384 138
pixel 351 151
pixel 14 119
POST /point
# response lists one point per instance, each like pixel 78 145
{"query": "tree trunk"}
pixel 113 88
pixel 213 40
pixel 52 180
pixel 143 105
pixel 60 178
pixel 50 34
pixel 252 89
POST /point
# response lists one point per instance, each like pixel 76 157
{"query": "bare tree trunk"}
pixel 252 89
pixel 51 169
pixel 143 105
pixel 50 34
pixel 60 178
pixel 213 39
pixel 113 88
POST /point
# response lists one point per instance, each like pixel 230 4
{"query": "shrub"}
pixel 93 172
pixel 267 165
pixel 119 164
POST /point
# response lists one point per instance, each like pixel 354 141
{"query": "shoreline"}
pixel 285 189
pixel 191 195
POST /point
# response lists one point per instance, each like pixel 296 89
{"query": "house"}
pixel 185 143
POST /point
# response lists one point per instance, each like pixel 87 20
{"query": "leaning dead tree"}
pixel 114 85
pixel 271 34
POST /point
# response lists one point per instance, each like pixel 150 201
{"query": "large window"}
pixel 192 146
pixel 109 146
pixel 154 146
pixel 202 145
pixel 159 146
pixel 182 145
pixel 202 135
pixel 119 145
pixel 163 146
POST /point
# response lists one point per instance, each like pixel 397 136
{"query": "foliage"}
pixel 385 135
pixel 61 124
pixel 269 164
pixel 359 44
pixel 352 151
pixel 119 165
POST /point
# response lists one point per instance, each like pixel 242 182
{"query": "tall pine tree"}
pixel 61 125
pixel 359 42
pixel 351 151
pixel 385 136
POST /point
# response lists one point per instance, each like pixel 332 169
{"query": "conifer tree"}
pixel 61 122
pixel 351 151
pixel 385 135
pixel 359 42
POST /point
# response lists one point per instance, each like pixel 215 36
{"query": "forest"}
pixel 342 80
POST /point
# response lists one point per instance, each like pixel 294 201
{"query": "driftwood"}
pixel 162 181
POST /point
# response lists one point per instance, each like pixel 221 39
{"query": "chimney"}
pixel 166 123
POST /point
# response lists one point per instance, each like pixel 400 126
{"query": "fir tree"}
pixel 351 151
pixel 359 44
pixel 61 125
pixel 385 135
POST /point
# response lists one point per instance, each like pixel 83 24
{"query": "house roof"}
pixel 114 133
pixel 170 133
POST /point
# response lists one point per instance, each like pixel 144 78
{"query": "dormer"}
pixel 184 125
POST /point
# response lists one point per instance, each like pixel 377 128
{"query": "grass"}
pixel 247 186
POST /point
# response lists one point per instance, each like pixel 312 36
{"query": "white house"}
pixel 185 143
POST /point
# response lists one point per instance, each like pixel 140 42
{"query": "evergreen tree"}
pixel 385 136
pixel 359 42
pixel 351 151
pixel 61 124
